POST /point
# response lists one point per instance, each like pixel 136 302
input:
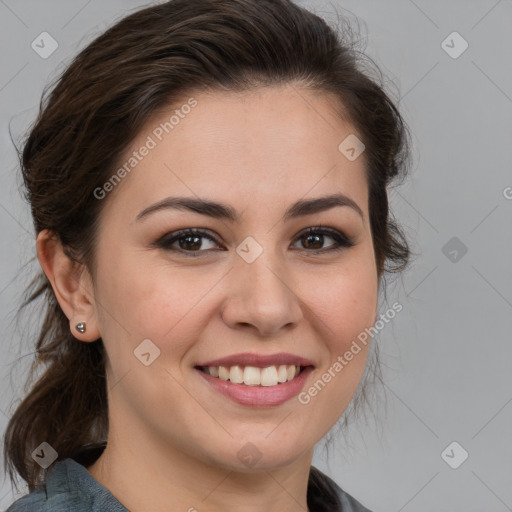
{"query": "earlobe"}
pixel 71 285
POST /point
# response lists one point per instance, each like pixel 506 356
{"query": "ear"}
pixel 71 283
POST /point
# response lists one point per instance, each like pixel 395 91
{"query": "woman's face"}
pixel 254 288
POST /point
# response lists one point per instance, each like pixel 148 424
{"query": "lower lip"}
pixel 262 396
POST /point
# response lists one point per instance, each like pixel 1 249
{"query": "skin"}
pixel 173 440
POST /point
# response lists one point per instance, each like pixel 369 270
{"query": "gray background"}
pixel 447 355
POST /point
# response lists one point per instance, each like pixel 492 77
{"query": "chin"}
pixel 260 454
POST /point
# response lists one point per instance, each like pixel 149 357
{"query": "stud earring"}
pixel 80 327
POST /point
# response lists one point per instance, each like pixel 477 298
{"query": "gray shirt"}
pixel 70 487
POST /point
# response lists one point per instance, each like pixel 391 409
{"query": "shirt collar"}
pixel 72 478
pixel 68 476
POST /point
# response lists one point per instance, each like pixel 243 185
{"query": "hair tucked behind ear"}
pixel 67 406
pixel 143 63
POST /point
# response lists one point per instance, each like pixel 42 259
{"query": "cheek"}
pixel 158 303
pixel 344 300
pixel 142 299
pixel 349 309
pixel 344 309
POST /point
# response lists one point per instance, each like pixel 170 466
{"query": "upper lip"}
pixel 259 361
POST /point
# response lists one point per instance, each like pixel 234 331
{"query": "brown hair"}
pixel 94 111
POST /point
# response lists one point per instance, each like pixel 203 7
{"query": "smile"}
pixel 268 392
pixel 254 376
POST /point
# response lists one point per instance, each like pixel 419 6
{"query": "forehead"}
pixel 266 146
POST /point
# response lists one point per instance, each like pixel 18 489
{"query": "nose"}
pixel 261 296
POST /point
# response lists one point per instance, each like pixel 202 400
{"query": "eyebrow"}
pixel 218 210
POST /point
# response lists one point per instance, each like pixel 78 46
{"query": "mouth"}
pixel 273 375
pixel 256 380
pixel 261 380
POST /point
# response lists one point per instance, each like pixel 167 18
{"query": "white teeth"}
pixel 269 376
pixel 282 373
pixel 253 376
pixel 291 372
pixel 236 374
pixel 223 373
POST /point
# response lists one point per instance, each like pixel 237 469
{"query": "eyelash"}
pixel 341 241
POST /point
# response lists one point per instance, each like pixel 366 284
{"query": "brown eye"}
pixel 314 238
pixel 189 241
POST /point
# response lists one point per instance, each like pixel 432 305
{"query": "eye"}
pixel 314 238
pixel 190 241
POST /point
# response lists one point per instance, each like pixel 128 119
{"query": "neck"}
pixel 148 476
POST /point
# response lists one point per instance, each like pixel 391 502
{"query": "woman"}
pixel 208 182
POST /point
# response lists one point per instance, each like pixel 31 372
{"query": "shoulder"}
pixel 68 486
pixel 325 494
pixel 32 502
pixel 57 494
